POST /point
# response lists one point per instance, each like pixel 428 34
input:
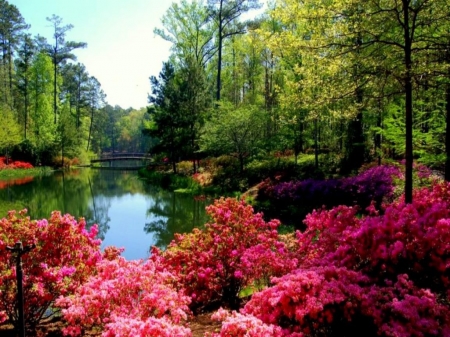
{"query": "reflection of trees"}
pixel 68 192
pixel 117 182
pixel 87 193
pixel 60 191
pixel 100 207
pixel 173 213
pixel 100 214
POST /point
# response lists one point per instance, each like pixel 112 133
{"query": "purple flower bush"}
pixel 298 198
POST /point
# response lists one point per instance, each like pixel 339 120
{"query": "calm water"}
pixel 129 212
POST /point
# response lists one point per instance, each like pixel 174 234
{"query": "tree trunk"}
pixel 316 144
pixel 447 133
pixel 408 106
pixel 219 56
pixel 26 108
pixel 54 88
pixel 90 129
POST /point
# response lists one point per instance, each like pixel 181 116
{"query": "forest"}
pixel 358 81
pixel 53 112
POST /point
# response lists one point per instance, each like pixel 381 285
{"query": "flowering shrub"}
pixel 379 275
pixel 413 239
pixel 234 250
pixel 236 324
pixel 65 255
pixel 185 167
pixel 330 301
pixel 151 327
pixel 126 298
pixel 11 164
pixel 203 179
pixel 298 198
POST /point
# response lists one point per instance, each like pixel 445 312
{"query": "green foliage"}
pixel 235 131
pixel 10 130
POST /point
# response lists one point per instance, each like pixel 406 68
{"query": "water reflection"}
pixel 129 213
pixel 170 215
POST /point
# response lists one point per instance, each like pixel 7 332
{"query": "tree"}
pixel 60 51
pixel 42 129
pixel 194 103
pixel 188 27
pixel 75 87
pixel 67 134
pixel 12 24
pixel 225 14
pixel 169 123
pixel 96 99
pixel 233 131
pixel 10 130
pixel 26 52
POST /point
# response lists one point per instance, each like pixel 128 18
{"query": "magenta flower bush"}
pixel 235 250
pixel 384 274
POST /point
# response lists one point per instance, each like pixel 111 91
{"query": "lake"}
pixel 129 212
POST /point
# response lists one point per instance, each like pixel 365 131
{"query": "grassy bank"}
pixel 7 174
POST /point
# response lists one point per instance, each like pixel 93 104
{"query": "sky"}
pixel 122 50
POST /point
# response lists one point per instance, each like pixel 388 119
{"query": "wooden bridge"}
pixel 110 158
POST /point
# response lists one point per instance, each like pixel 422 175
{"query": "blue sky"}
pixel 122 51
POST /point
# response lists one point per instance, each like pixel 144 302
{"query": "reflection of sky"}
pixel 128 214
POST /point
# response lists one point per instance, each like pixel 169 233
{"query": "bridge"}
pixel 113 157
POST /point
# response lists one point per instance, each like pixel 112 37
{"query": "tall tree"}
pixel 168 121
pixel 194 103
pixel 67 134
pixel 225 14
pixel 26 52
pixel 43 131
pixel 409 29
pixel 96 100
pixel 12 25
pixel 188 27
pixel 75 86
pixel 60 51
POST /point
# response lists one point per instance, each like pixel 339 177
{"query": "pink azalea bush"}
pixel 65 254
pixel 235 250
pixel 126 298
pixel 236 324
pixel 377 275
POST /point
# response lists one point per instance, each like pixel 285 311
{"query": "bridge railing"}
pixel 123 154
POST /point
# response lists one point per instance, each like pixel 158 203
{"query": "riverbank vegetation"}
pixel 16 169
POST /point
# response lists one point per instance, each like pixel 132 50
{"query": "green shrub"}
pixel 185 168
